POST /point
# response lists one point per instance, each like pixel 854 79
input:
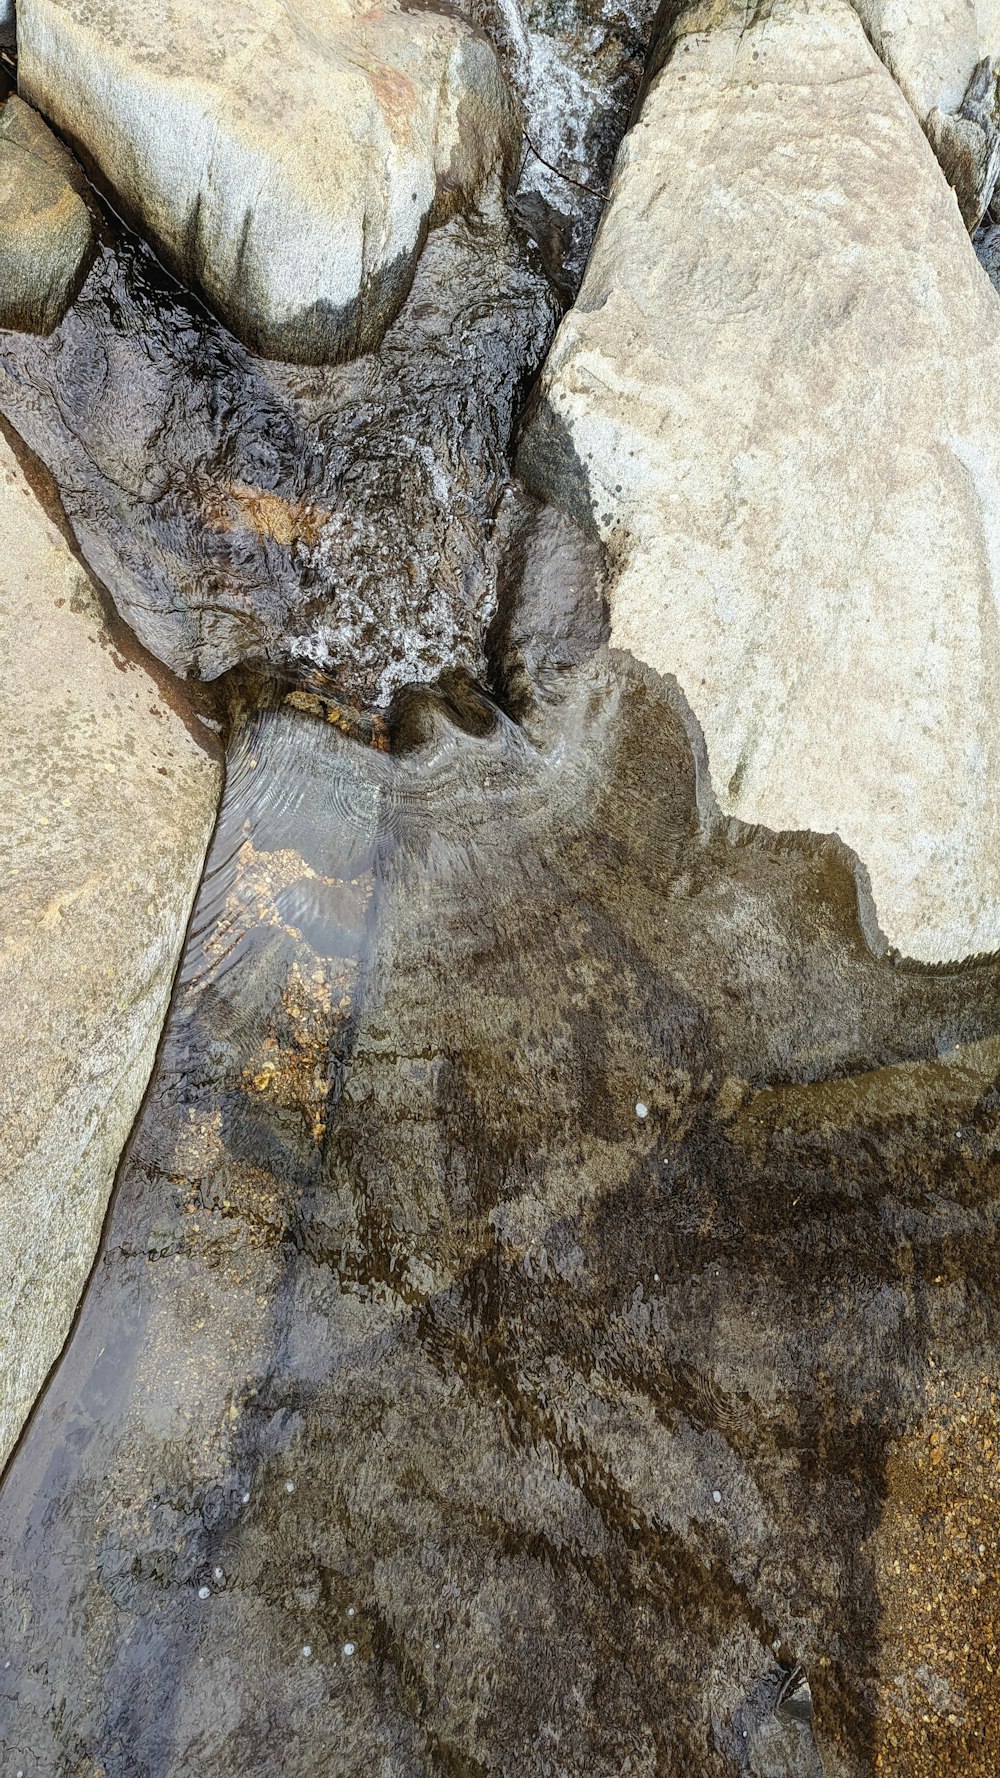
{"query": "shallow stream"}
pixel 546 1323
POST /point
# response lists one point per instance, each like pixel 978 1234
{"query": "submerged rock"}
pixel 430 1409
pixel 946 58
pixel 107 800
pixel 287 162
pixel 766 403
pixel 47 234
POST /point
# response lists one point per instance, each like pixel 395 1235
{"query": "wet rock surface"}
pixel 782 437
pixel 525 1286
pixel 577 69
pixel 47 227
pixel 289 163
pixel 107 800
pixel 350 521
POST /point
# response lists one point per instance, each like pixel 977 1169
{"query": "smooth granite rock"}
pixel 47 234
pixel 287 162
pixel 768 403
pixel 107 801
pixel 945 55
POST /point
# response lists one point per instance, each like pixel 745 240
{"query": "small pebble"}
pixel 717 1497
pixel 203 1592
pixel 641 1110
pixel 289 1487
pixel 350 1611
pixel 348 1648
pixel 656 1277
pixel 306 1650
pixel 246 1500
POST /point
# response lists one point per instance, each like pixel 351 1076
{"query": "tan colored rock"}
pixel 107 801
pixel 287 161
pixel 944 54
pixel 776 401
pixel 47 233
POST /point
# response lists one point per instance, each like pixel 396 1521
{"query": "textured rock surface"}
pixel 349 520
pixel 766 402
pixel 46 226
pixel 430 1411
pixel 576 68
pixel 934 49
pixel 106 805
pixel 289 161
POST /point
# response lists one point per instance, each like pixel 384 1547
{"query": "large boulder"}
pixel 47 234
pixel 945 54
pixel 107 800
pixel 286 161
pixel 774 401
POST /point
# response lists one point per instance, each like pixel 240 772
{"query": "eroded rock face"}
pixel 766 404
pixel 945 54
pixel 287 162
pixel 47 232
pixel 107 800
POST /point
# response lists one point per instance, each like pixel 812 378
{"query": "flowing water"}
pixel 546 1323
pixel 535 1260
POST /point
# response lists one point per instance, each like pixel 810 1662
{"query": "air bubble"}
pixel 204 1592
pixel 641 1109
pixel 348 1648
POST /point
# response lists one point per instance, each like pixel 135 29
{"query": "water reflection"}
pixel 431 1410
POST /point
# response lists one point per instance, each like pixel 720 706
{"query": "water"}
pixel 431 1411
pixel 547 1319
pixel 349 521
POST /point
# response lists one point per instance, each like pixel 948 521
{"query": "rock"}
pixel 107 801
pixel 987 244
pixel 577 69
pixel 946 58
pixel 289 161
pixel 766 404
pixel 582 1413
pixel 47 235
pixel 352 522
